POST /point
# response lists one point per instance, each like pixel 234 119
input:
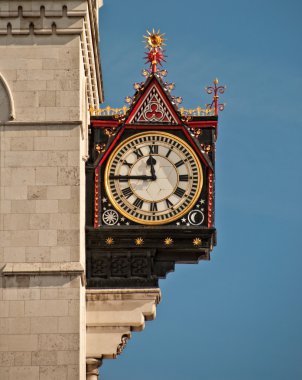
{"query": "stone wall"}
pixel 39 327
pixel 43 74
pixel 46 88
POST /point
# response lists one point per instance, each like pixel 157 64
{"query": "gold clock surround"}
pixel 153 222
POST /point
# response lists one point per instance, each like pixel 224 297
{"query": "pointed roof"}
pixel 153 105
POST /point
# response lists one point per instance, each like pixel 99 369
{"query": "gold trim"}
pixel 108 111
pixel 154 39
pixel 153 222
pixel 168 241
pixel 198 111
pixel 197 242
pixel 139 241
pixel 109 240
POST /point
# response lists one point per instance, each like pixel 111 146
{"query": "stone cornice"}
pixel 41 17
pixel 33 8
pixel 40 123
pixel 14 269
pixel 123 294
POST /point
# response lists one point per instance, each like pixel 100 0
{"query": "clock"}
pixel 153 178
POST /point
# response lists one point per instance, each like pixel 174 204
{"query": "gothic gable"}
pixel 153 106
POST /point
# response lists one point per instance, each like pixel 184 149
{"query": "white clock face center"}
pixel 158 189
pixel 153 178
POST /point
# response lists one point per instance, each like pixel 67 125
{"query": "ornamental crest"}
pixel 153 110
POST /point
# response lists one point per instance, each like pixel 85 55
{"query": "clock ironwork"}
pixel 150 182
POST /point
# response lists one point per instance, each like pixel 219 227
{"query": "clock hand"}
pixel 151 162
pixel 143 177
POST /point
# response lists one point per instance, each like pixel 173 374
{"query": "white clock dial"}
pixel 153 178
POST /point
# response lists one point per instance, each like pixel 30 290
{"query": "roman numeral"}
pixel 138 153
pixel 127 163
pixel 168 153
pixel 153 206
pixel 153 149
pixel 169 203
pixel 179 163
pixel 179 192
pixel 138 203
pixel 184 177
pixel 127 192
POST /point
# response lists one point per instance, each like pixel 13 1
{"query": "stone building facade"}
pixel 49 78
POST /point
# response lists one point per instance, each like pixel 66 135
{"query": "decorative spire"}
pixel 154 44
pixel 215 90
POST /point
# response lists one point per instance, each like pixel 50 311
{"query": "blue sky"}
pixel 237 317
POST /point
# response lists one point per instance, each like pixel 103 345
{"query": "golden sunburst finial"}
pixel 197 242
pixel 168 241
pixel 139 241
pixel 154 39
pixel 109 240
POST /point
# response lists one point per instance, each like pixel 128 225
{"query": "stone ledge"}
pixel 123 294
pixel 40 123
pixel 21 269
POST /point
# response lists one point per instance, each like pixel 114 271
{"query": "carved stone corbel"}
pixel 111 316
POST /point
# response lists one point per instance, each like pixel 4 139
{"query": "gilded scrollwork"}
pixel 207 148
pixel 110 131
pixel 198 111
pixel 108 111
pixel 100 148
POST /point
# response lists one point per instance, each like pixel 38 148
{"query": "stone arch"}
pixel 7 108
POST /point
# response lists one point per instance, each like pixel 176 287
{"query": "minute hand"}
pixel 144 177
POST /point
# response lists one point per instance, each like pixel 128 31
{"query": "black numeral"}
pixel 169 203
pixel 127 163
pixel 138 153
pixel 168 153
pixel 153 206
pixel 153 149
pixel 127 192
pixel 179 192
pixel 184 177
pixel 138 203
pixel 179 163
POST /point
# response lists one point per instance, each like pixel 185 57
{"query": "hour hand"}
pixel 151 161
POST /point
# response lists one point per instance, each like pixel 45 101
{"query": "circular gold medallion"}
pixel 153 178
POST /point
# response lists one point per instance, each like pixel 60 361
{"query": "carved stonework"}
pixel 122 345
pixel 46 18
pixel 111 316
pixel 7 108
pixel 92 368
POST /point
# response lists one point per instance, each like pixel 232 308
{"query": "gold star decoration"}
pixel 109 240
pixel 197 242
pixel 168 241
pixel 139 241
pixel 154 39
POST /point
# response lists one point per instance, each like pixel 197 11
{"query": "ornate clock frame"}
pixel 119 251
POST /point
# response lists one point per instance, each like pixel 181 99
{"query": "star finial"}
pixel 154 43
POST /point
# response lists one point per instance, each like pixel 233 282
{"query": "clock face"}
pixel 153 178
